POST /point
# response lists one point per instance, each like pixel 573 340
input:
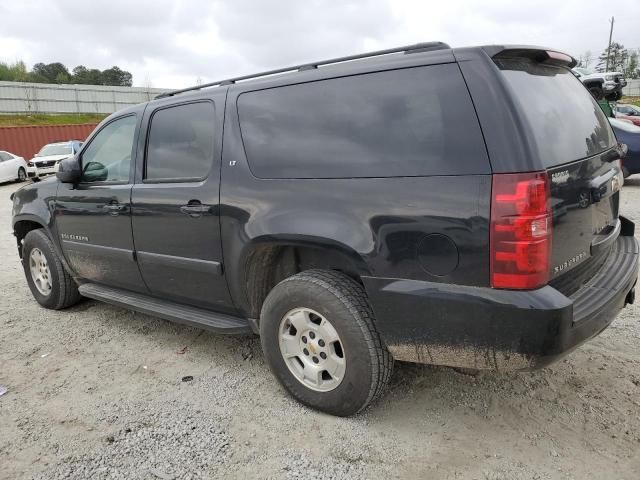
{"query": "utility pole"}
pixel 609 47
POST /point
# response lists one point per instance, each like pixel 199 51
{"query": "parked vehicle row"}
pixel 45 162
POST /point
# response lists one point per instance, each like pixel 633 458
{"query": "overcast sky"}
pixel 173 43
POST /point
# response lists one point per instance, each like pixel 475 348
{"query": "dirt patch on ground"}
pixel 97 392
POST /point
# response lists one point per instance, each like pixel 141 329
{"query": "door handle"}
pixel 195 209
pixel 114 208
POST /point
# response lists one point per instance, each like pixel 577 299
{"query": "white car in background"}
pixel 12 167
pixel 46 161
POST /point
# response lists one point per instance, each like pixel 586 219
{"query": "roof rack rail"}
pixel 417 48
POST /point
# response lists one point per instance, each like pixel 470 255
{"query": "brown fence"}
pixel 28 140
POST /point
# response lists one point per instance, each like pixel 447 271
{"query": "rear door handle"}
pixel 114 208
pixel 195 209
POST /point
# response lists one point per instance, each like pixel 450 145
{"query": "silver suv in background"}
pixel 606 85
pixel 47 159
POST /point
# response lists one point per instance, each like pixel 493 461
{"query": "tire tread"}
pixel 354 298
pixel 68 292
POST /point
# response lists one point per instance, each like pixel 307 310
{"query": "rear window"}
pixel 410 122
pixel 564 120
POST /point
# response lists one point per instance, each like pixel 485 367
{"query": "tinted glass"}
pixel 411 122
pixel 564 120
pixel 181 141
pixel 4 156
pixel 108 156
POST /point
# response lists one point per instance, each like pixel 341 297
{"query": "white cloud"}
pixel 171 43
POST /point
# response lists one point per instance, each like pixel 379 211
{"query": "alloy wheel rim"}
pixel 21 175
pixel 40 272
pixel 312 349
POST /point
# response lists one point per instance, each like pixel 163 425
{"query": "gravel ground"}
pixel 98 392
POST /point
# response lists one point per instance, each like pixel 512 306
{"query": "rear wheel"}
pixel 49 282
pixel 319 339
pixel 22 175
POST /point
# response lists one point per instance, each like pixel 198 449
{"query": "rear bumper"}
pixel 484 328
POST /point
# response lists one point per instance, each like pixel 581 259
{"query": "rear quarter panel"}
pixel 379 224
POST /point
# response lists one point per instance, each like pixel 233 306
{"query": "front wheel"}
pixel 318 336
pixel 22 175
pixel 49 282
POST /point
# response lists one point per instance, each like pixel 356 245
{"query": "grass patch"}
pixel 632 100
pixel 43 119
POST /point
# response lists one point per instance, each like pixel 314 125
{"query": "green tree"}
pixel 116 76
pixel 57 73
pixel 632 69
pixel 15 72
pixel 50 73
pixel 617 57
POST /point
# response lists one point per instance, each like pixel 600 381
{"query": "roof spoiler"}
pixel 538 54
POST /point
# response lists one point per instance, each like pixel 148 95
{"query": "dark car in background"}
pixel 628 134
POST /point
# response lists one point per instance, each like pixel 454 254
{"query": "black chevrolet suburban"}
pixel 425 204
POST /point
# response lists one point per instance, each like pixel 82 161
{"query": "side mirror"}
pixel 69 170
pixel 95 172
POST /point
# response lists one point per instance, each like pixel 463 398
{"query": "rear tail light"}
pixel 520 230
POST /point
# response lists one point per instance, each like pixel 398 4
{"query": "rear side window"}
pixel 563 119
pixel 181 142
pixel 410 122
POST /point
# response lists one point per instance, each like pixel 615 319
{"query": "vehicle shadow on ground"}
pixel 632 181
pixel 413 391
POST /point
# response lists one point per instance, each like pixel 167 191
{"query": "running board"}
pixel 174 312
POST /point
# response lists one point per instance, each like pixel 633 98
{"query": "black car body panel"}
pixel 484 328
pixel 417 235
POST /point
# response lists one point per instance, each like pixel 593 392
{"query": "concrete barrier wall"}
pixel 632 88
pixel 19 98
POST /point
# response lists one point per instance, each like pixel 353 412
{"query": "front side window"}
pixel 4 156
pixel 108 156
pixel 181 143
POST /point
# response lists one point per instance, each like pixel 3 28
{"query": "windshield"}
pixel 565 122
pixel 55 149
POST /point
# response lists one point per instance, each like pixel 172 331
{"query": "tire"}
pixel 343 303
pixel 596 92
pixel 22 175
pixel 613 96
pixel 63 290
pixel 625 172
